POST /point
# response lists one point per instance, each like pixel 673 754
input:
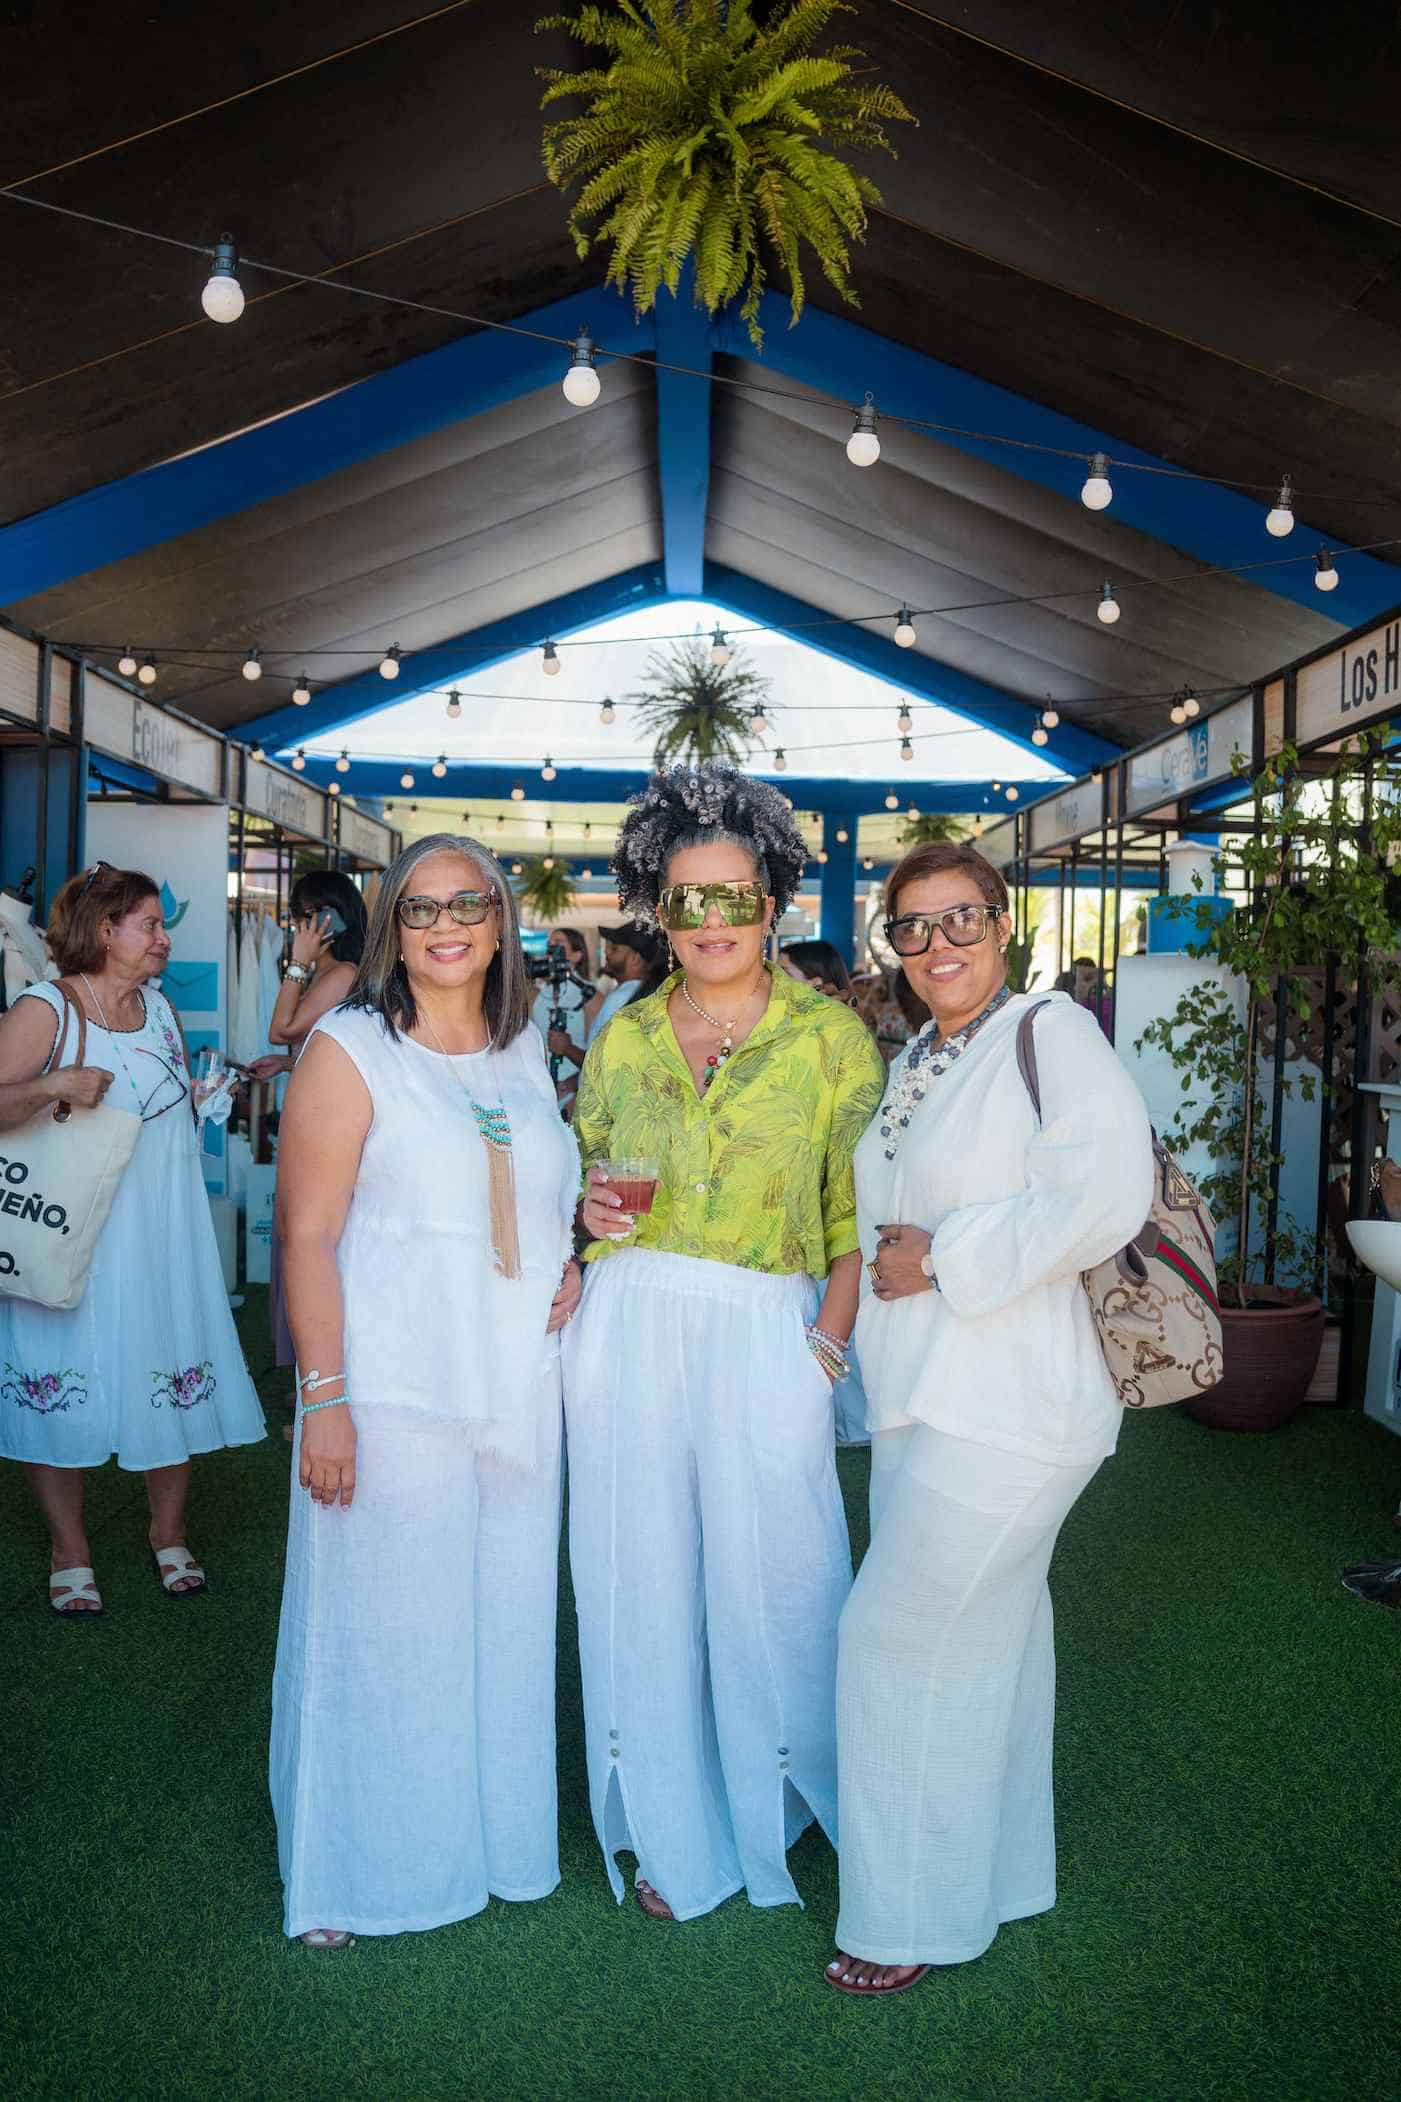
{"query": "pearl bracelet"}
pixel 309 1408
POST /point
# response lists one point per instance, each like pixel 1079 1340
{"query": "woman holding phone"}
pixel 328 939
pixel 707 1535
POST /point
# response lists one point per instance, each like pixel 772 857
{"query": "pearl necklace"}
pixel 927 1057
pixel 716 1059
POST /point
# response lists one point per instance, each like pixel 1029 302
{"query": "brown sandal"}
pixel 873 1992
pixel 653 1903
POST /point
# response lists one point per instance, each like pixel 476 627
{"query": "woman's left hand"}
pixel 897 1272
pixel 566 1299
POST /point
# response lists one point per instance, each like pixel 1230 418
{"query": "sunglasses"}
pixel 468 907
pixel 686 906
pixel 962 925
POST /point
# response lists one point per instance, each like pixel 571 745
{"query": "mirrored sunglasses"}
pixel 962 925
pixel 468 907
pixel 682 907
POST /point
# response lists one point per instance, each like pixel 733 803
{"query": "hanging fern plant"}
pixel 697 709
pixel 545 888
pixel 702 136
pixel 932 828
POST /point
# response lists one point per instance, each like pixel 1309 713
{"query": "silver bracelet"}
pixel 316 1379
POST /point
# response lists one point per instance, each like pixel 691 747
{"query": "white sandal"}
pixel 173 1563
pixel 67 1586
pixel 327 1938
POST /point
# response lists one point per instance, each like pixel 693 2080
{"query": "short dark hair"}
pixel 85 901
pixel 327 890
pixel 936 858
pixel 819 959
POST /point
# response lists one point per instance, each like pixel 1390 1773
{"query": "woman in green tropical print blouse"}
pixel 707 1537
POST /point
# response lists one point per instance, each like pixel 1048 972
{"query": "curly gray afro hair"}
pixel 684 806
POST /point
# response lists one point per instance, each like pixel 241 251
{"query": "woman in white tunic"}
pixel 992 1410
pixel 426 1188
pixel 147 1366
pixel 707 1535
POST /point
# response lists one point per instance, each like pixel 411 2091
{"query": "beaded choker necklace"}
pixel 928 1056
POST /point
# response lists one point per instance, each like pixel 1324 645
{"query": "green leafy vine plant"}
pixel 545 887
pixel 703 136
pixel 697 709
pixel 1319 887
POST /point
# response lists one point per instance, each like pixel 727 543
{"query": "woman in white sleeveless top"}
pixel 147 1366
pixel 426 1190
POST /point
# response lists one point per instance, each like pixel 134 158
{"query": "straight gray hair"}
pixel 382 984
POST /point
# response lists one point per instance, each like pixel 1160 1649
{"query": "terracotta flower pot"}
pixel 1271 1351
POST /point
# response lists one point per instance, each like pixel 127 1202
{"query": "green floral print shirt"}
pixel 758 1170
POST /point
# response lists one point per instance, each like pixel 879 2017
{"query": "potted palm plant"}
pixel 701 134
pixel 697 709
pixel 1318 887
pixel 545 888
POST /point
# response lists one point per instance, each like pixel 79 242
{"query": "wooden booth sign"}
pixel 1194 759
pixel 120 723
pixel 1357 683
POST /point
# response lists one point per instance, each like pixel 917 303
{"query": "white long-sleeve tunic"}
pixel 1005 1352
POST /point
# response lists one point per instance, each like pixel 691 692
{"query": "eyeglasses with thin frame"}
pixel 683 907
pixel 962 926
pixel 468 907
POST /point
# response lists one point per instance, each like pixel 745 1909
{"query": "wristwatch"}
pixel 298 973
pixel 926 1264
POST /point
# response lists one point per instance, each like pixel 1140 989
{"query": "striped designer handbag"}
pixel 1154 1303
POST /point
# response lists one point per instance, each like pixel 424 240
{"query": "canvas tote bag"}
pixel 1154 1303
pixel 58 1176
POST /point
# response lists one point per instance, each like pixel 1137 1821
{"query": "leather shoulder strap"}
pixel 72 1005
pixel 1026 1054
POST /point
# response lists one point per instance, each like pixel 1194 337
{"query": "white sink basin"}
pixel 1377 1243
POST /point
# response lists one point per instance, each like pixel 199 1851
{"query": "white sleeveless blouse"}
pixel 430 1326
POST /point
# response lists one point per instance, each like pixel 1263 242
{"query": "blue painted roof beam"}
pixel 911 671
pixel 1215 524
pixel 465 784
pixel 683 337
pixel 477 372
pixel 333 707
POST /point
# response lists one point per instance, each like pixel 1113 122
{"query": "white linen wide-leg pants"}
pixel 710 1558
pixel 946 1700
pixel 413 1724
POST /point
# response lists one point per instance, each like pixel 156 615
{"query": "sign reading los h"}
pixel 1355 684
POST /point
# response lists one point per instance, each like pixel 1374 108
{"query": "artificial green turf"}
pixel 1227 1755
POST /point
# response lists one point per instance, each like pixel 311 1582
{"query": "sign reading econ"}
pixel 1351 685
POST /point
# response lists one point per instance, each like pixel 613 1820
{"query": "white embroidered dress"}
pixel 148 1364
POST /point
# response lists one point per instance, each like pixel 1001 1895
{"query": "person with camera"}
pixel 708 1540
pixel 634 956
pixel 560 1012
pixel 147 1367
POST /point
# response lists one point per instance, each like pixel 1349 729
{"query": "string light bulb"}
pixel 588 831
pixel 842 836
pixel 906 633
pixel 913 813
pixel 253 665
pixel 146 671
pixel 996 787
pixel 126 665
pixel 333 788
pixel 389 662
pixel 406 780
pixel 1098 492
pixel 720 651
pixel 549 662
pixel 1190 704
pixel 823 857
pixel 1012 793
pixel 904 721
pixel 607 713
pixel 907 750
pixel 1108 608
pixel 440 767
pixel 222 297
pixel 586 875
pixel 343 763
pixel 758 721
pixel 582 385
pixel 1177 713
pixel 298 760
pixel 1280 521
pixel 1050 717
pixel 863 446
pixel 515 868
pixel 1325 571
pixel 454 708
pixel 518 794
pixel 892 801
pixel 867 863
pixel 1039 735
pixel 780 763
pixel 301 692
pixel 549 770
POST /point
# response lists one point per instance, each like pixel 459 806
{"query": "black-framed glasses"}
pixel 961 925
pixel 468 907
pixel 682 907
